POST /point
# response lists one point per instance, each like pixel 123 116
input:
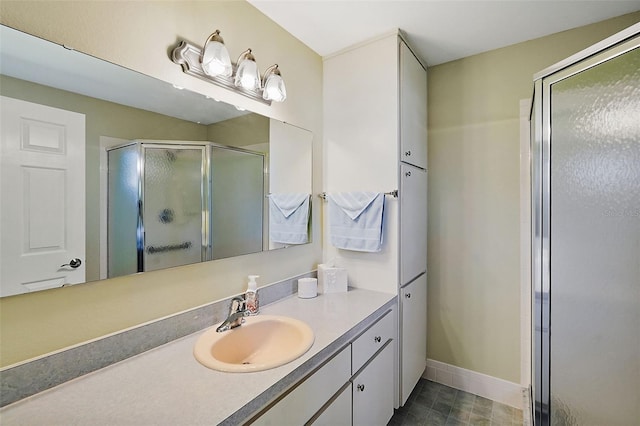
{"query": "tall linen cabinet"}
pixel 375 115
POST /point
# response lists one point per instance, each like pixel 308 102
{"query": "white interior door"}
pixel 42 193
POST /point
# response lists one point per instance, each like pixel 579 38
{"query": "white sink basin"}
pixel 261 343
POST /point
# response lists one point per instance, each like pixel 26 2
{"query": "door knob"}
pixel 408 295
pixel 73 263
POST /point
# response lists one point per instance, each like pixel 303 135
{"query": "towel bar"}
pixel 393 193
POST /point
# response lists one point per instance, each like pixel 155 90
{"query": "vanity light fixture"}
pixel 273 85
pixel 215 57
pixel 212 64
pixel 247 74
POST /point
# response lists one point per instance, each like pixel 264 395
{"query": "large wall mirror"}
pixel 107 172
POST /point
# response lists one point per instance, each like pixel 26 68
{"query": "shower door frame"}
pixel 206 193
pixel 599 53
pixel 205 183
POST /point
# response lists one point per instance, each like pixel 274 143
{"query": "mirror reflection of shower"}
pixel 169 204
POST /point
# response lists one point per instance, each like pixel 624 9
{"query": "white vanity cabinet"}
pixel 372 368
pixel 376 140
pixel 356 386
pixel 309 396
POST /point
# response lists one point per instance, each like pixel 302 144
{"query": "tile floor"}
pixel 431 403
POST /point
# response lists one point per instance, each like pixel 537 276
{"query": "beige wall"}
pixel 249 129
pixel 140 36
pixel 474 241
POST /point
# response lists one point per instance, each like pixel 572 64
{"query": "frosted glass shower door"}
pixel 237 202
pixel 122 210
pixel 594 283
pixel 173 206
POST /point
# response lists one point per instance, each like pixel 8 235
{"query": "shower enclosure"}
pixel 586 227
pixel 172 203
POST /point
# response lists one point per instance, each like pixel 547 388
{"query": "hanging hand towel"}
pixel 289 218
pixel 355 220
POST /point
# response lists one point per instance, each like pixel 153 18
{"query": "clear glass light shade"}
pixel 247 75
pixel 274 89
pixel 215 60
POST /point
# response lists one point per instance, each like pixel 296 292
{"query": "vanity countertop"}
pixel 168 386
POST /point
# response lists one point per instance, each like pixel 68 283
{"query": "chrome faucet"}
pixel 237 312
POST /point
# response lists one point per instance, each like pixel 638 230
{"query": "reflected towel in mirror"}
pixel 289 218
pixel 355 220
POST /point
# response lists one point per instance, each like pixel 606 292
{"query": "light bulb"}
pixel 215 57
pixel 247 75
pixel 274 89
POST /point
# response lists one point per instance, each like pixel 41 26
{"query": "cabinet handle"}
pixel 408 295
pixel 407 174
pixel 361 388
pixel 378 339
pixel 407 153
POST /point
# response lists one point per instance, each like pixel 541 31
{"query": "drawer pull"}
pixel 408 295
pixel 407 153
pixel 378 339
pixel 361 388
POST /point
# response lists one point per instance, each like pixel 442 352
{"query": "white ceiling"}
pixel 439 30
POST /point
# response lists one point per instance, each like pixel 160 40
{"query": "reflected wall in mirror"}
pixel 63 115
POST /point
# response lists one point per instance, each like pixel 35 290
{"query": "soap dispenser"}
pixel 251 296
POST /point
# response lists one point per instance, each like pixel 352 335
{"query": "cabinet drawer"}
pixel 306 399
pixel 371 340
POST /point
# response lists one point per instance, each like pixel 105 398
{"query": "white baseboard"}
pixel 480 384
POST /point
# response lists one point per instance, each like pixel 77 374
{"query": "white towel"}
pixel 355 220
pixel 289 218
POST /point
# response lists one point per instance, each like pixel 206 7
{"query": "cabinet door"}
pixel 373 391
pixel 338 413
pixel 413 343
pixel 413 109
pixel 413 222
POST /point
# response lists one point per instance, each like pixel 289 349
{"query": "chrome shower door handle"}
pixel 73 263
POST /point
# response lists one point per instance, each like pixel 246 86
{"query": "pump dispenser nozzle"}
pixel 251 296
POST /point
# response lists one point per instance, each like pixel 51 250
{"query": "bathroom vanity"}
pixel 347 371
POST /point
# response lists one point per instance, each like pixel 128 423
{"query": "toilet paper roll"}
pixel 307 288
